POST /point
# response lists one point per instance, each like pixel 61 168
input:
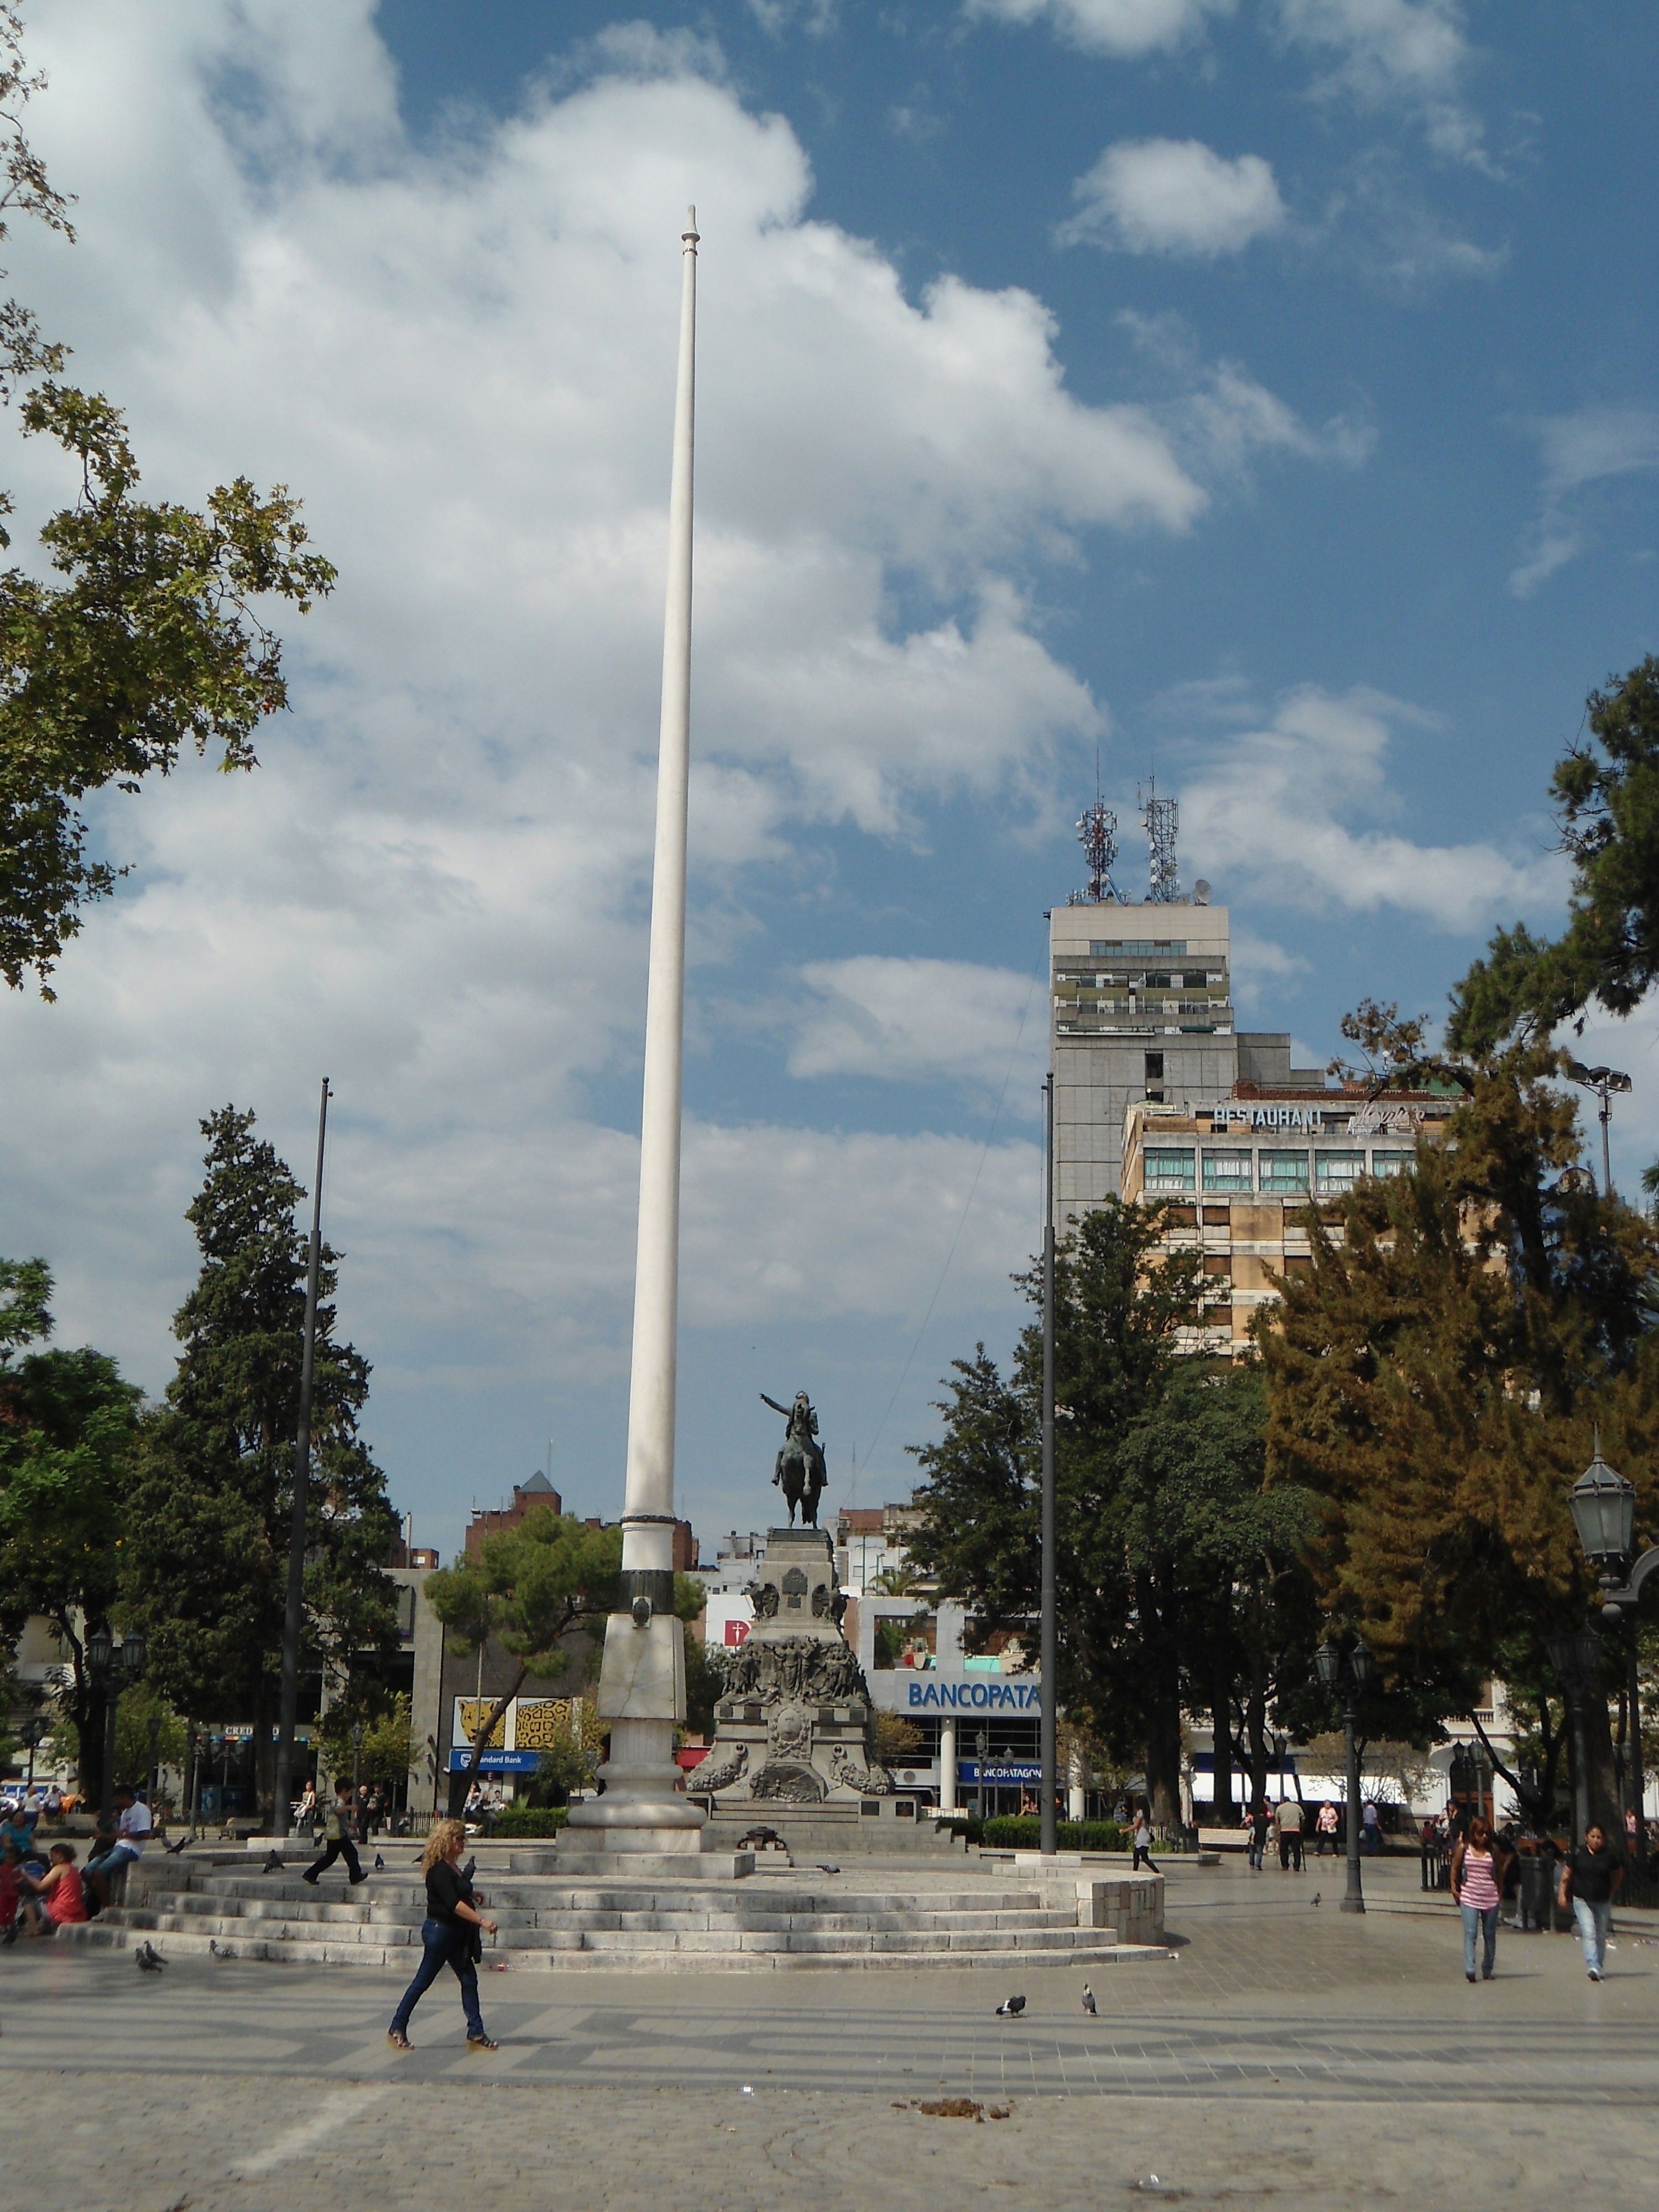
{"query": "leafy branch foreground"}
pixel 150 643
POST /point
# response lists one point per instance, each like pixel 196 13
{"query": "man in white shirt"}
pixel 131 1833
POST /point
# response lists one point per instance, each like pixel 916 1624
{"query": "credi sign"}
pixel 978 1694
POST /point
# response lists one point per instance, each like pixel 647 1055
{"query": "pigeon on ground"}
pixel 273 1863
pixel 173 1850
pixel 1089 2004
pixel 828 1870
pixel 220 1950
pixel 1010 2007
pixel 1314 1899
pixel 150 1961
pixel 380 1863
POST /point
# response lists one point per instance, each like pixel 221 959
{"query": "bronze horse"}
pixel 799 1473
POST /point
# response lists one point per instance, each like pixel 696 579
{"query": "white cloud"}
pixel 923 1021
pixel 1174 196
pixel 1387 52
pixel 462 357
pixel 1125 28
pixel 1273 812
pixel 1589 447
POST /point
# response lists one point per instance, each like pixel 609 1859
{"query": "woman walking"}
pixel 449 1937
pixel 1477 1888
pixel 1140 1837
pixel 1591 1878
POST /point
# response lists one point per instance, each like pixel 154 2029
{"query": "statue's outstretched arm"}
pixel 774 1404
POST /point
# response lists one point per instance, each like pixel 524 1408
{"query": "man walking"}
pixel 336 1828
pixel 1287 1819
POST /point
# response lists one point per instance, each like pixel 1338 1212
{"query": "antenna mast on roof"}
pixel 1096 832
pixel 1160 816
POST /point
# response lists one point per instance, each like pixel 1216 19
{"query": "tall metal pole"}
pixel 293 1609
pixel 1606 1144
pixel 1354 1899
pixel 1638 1781
pixel 643 1684
pixel 1046 1841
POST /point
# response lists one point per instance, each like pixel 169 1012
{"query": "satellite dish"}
pixel 1200 893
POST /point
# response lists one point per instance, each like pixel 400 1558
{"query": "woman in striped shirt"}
pixel 1477 1888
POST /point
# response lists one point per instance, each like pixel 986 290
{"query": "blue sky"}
pixel 1262 393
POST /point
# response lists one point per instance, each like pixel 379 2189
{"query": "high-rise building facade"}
pixel 1142 1009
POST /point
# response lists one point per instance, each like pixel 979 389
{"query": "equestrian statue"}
pixel 801 1473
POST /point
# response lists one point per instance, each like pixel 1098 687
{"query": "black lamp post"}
pixel 1349 1673
pixel 357 1755
pixel 1577 1659
pixel 111 1666
pixel 1604 1513
pixel 32 1734
pixel 154 1725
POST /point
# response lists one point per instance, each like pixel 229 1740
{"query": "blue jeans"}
pixel 1479 1920
pixel 1594 1922
pixel 442 1947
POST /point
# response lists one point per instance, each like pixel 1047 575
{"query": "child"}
pixel 58 1896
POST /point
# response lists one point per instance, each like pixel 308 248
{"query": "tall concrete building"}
pixel 1142 1009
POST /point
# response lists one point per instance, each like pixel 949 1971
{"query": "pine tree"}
pixel 212 1506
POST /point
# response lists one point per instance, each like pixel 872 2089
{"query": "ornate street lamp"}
pixel 101 1648
pixel 1350 1673
pixel 1604 1513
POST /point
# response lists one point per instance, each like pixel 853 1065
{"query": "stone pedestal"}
pixel 793 1729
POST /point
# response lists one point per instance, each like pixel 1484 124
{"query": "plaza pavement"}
pixel 1287 2053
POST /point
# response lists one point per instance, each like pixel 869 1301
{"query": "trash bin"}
pixel 1537 1891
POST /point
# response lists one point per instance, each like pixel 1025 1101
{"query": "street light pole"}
pixel 1602 1082
pixel 1604 1515
pixel 1351 1674
pixel 1048 1840
pixel 294 1606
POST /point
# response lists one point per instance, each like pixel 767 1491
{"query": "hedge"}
pixel 1024 1832
pixel 531 1819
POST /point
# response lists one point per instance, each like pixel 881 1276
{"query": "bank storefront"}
pixel 975 1714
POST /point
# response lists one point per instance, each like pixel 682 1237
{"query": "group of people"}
pixel 1587 1879
pixel 1288 1823
pixel 372 1809
pixel 40 1891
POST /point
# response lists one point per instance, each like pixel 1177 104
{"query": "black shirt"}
pixel 1593 1872
pixel 446 1886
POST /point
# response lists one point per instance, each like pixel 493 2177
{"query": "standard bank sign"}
pixel 976 1694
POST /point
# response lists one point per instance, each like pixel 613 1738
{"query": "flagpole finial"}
pixel 689 235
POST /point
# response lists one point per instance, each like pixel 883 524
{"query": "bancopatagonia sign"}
pixel 975 1697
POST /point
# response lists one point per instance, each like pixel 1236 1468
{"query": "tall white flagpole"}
pixel 642 1682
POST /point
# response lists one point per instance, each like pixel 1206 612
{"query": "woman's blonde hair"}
pixel 444 1837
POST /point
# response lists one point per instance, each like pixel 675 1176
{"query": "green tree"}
pixel 529 1589
pixel 151 641
pixel 1158 1482
pixel 1607 790
pixel 1437 1378
pixel 68 1434
pixel 211 1507
pixel 387 1725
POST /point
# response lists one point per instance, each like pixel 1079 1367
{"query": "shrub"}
pixel 1024 1832
pixel 531 1819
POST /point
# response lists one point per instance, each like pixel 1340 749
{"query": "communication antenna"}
pixel 1096 832
pixel 1160 816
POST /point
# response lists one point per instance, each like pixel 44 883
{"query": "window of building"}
pixel 1194 981
pixel 1226 1170
pixel 1339 1171
pixel 1156 982
pixel 1218 1216
pixel 1138 948
pixel 1154 1067
pixel 1284 1171
pixel 1217 1263
pixel 1168 1169
pixel 1390 1163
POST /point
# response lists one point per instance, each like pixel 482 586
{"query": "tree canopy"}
pixel 213 1498
pixel 151 640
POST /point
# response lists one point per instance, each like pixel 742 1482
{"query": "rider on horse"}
pixel 799 1473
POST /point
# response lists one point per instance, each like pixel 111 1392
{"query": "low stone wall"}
pixel 1131 1905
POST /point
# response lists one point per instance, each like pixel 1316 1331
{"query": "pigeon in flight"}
pixel 1010 2007
pixel 466 1871
pixel 173 1850
pixel 1089 2004
pixel 150 1961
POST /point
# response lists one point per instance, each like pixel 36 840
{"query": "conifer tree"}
pixel 211 1508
